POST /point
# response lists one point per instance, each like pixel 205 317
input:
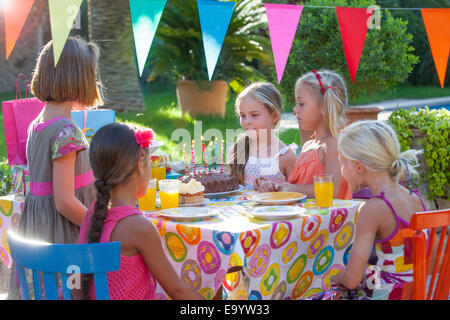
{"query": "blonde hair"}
pixel 270 97
pixel 73 79
pixel 334 99
pixel 376 145
pixel 265 93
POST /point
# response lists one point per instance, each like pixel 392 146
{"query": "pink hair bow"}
pixel 144 137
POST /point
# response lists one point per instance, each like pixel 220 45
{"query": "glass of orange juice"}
pixel 148 201
pixel 169 191
pixel 158 163
pixel 323 190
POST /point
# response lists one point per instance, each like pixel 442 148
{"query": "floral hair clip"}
pixel 144 137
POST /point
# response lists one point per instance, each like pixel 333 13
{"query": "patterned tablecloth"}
pixel 283 259
pixel 10 210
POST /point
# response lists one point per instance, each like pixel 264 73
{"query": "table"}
pixel 285 259
pixel 10 210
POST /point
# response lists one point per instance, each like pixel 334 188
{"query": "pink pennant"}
pixel 282 20
pixel 15 14
pixel 353 23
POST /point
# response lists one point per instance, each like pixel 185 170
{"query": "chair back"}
pixel 423 255
pixel 68 260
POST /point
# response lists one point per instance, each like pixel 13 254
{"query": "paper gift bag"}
pixel 92 120
pixel 17 116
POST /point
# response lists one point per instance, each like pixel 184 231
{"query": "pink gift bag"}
pixel 17 116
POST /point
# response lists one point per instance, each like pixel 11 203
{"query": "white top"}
pixel 268 168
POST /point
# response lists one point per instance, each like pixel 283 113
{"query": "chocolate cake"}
pixel 213 182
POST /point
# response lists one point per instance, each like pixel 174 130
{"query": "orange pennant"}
pixel 437 25
pixel 15 14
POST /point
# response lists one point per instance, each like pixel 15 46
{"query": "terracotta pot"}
pixel 356 114
pixel 196 99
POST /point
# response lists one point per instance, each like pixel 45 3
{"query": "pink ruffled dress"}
pixel 133 281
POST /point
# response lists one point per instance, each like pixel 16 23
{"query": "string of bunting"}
pixel 215 17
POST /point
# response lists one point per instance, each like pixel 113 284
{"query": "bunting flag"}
pixel 437 25
pixel 15 14
pixel 62 16
pixel 353 24
pixel 215 17
pixel 145 17
pixel 282 20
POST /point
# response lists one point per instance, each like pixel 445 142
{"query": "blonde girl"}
pixel 321 100
pixel 369 155
pixel 259 155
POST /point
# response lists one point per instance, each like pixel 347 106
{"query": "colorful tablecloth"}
pixel 10 210
pixel 289 259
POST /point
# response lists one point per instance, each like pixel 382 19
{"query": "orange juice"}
pixel 324 194
pixel 148 201
pixel 169 199
pixel 159 173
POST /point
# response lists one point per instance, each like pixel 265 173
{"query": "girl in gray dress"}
pixel 61 180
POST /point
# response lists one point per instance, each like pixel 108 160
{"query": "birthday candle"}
pixel 185 159
pixel 193 157
pixel 221 159
pixel 203 153
pixel 210 148
pixel 215 153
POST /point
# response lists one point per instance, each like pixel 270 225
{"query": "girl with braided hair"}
pixel 120 159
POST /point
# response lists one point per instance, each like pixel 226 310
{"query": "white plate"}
pixel 188 213
pixel 276 212
pixel 217 194
pixel 277 198
pixel 201 204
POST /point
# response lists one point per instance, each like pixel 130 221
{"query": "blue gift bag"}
pixel 91 120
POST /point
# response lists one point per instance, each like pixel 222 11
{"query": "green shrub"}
pixel 5 179
pixel 386 60
pixel 435 126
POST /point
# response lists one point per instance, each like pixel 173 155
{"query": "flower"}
pixel 144 137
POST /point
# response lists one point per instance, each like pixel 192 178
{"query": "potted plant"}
pixel 179 55
pixel 427 130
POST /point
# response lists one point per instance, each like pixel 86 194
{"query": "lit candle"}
pixel 203 154
pixel 215 154
pixel 210 148
pixel 185 158
pixel 221 158
pixel 193 157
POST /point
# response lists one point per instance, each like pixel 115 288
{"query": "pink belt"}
pixel 42 189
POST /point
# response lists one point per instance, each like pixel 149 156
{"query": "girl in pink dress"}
pixel 120 160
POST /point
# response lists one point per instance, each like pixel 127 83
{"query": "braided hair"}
pixel 113 155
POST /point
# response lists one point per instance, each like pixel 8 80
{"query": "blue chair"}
pixel 52 259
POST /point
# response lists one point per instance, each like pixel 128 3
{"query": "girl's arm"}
pixel 64 189
pixel 329 154
pixel 148 242
pixel 287 163
pixel 366 230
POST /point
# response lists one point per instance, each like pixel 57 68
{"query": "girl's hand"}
pixel 269 186
pixel 337 279
pixel 257 183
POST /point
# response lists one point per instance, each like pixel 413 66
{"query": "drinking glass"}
pixel 169 191
pixel 323 190
pixel 148 201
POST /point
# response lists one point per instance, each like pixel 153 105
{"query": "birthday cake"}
pixel 213 181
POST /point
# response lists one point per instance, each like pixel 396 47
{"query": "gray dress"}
pixel 46 142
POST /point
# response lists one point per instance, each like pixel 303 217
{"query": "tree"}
pixel 110 27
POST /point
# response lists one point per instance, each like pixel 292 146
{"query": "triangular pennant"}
pixel 62 17
pixel 282 20
pixel 15 15
pixel 437 25
pixel 145 17
pixel 353 24
pixel 215 18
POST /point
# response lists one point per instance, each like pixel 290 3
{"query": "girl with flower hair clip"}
pixel 120 160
